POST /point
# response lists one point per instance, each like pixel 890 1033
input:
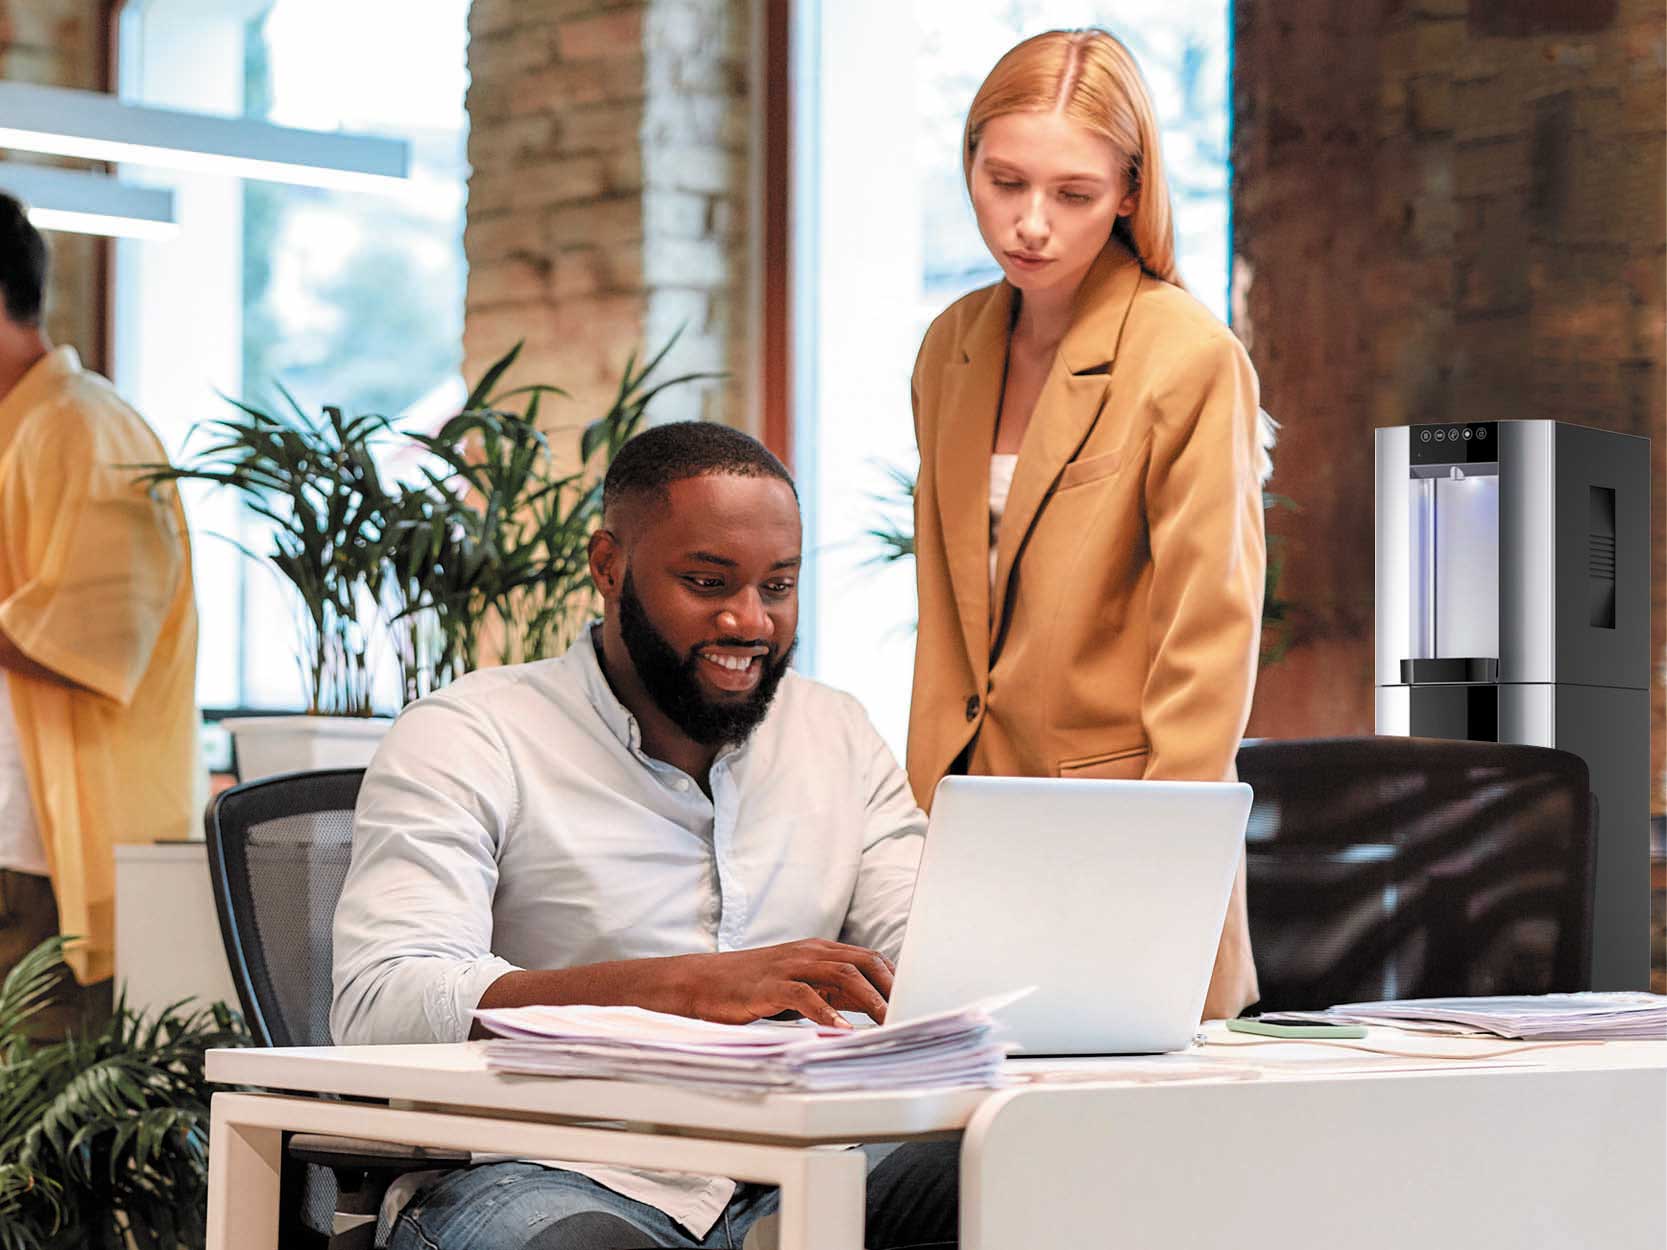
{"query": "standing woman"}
pixel 1088 515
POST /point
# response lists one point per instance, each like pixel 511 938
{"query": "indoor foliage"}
pixel 103 1138
pixel 486 549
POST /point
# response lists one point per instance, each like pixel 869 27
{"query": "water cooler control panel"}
pixel 1470 442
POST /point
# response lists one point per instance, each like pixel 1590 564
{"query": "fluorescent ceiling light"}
pixel 95 126
pixel 69 222
pixel 70 199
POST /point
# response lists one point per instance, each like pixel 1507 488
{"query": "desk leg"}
pixel 823 1195
pixel 822 1188
pixel 243 1166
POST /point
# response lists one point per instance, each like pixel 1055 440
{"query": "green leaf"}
pixel 295 404
pixel 29 986
pixel 477 397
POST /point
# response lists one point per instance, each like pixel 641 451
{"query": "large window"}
pixel 347 298
pixel 886 240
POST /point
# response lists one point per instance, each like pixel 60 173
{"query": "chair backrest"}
pixel 1390 867
pixel 278 852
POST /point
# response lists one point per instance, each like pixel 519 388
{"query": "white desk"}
pixel 1567 1147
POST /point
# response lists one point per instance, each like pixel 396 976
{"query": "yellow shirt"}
pixel 95 584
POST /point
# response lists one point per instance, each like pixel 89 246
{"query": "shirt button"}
pixel 972 707
pixel 682 783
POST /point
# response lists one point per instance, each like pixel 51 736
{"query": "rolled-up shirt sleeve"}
pixel 894 833
pixel 413 929
pixel 96 559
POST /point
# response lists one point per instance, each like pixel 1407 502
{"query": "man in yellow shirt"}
pixel 98 641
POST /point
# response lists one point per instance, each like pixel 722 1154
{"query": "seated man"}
pixel 664 817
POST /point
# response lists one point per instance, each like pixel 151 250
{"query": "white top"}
pixel 20 835
pixel 1001 485
pixel 512 821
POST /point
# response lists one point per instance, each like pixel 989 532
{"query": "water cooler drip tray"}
pixel 1456 668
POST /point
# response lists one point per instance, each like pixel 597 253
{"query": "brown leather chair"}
pixel 1391 867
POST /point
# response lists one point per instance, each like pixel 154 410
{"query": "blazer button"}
pixel 972 707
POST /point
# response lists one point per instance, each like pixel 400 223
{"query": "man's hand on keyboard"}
pixel 814 977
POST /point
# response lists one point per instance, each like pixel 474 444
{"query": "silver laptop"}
pixel 1107 896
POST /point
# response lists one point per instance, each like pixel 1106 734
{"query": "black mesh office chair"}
pixel 278 853
pixel 1391 867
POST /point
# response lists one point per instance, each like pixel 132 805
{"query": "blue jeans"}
pixel 913 1204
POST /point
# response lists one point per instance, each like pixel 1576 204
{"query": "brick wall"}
pixel 608 141
pixel 696 134
pixel 1444 209
pixel 61 43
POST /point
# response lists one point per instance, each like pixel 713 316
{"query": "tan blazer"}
pixel 1129 561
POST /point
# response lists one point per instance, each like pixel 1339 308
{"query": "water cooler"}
pixel 1513 584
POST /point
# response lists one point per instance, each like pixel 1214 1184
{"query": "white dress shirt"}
pixel 512 821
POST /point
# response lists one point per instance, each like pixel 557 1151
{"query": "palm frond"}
pixel 104 1138
pixel 492 530
pixel 29 987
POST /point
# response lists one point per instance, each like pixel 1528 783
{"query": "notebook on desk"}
pixel 1107 896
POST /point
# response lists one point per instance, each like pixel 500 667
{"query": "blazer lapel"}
pixel 1066 411
pixel 967 435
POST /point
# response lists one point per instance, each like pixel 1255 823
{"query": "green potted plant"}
pixel 104 1137
pixel 486 548
pixel 316 480
pixel 496 544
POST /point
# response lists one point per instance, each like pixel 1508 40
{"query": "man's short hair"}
pixel 22 263
pixel 648 464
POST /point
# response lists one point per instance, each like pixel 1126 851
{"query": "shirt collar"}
pixel 43 377
pixel 615 715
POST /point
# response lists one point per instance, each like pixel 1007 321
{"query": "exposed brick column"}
pixel 695 204
pixel 608 140
pixel 61 43
pixel 1444 210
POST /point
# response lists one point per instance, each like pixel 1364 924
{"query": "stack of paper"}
pixel 953 1048
pixel 1542 1017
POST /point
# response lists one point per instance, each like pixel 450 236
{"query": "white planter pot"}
pixel 267 745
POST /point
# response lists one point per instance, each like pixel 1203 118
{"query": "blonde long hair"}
pixel 1094 81
pixel 1093 78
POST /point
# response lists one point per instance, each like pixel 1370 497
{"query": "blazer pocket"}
pixel 1128 765
pixel 1081 472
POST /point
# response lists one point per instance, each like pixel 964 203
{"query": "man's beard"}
pixel 673 683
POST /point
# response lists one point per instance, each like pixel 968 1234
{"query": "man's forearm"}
pixel 815 977
pixel 655 984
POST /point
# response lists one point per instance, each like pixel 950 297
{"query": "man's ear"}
pixel 607 563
